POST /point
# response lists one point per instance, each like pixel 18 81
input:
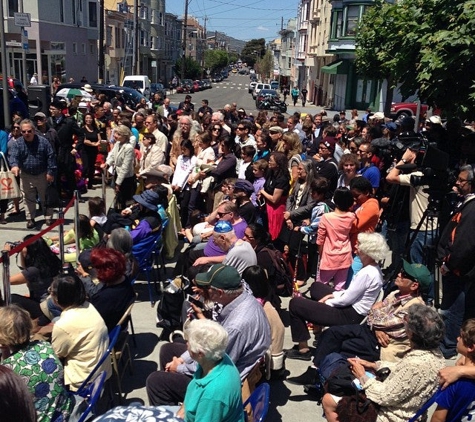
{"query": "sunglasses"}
pixel 26 131
pixel 222 214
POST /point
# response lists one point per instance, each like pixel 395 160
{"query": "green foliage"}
pixel 216 60
pixel 192 68
pixel 426 46
pixel 265 65
pixel 253 51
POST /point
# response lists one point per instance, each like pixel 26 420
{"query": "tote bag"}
pixel 9 188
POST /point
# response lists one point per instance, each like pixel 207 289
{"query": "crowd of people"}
pixel 259 201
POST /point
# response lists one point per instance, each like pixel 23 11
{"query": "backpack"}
pixel 328 366
pixel 282 274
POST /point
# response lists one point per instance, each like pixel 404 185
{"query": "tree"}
pixel 253 50
pixel 426 46
pixel 265 65
pixel 216 60
pixel 192 68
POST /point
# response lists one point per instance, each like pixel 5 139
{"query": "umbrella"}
pixel 73 92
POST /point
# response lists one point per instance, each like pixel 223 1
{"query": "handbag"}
pixel 52 199
pixel 9 188
pixel 357 408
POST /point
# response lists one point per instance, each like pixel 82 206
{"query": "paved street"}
pixel 288 402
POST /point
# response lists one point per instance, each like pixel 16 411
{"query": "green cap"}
pixel 420 273
pixel 220 276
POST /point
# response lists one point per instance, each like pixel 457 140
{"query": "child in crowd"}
pixel 333 241
pixel 318 190
pixel 456 402
pixel 259 169
pixel 97 211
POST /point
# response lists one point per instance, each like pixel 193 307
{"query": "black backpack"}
pixel 282 274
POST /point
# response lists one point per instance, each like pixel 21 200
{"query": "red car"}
pixel 401 110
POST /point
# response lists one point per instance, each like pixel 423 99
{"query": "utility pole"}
pixel 101 42
pixel 24 40
pixel 185 22
pixel 3 53
pixel 136 51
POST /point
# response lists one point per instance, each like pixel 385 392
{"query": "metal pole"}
pixel 183 64
pixel 6 278
pixel 104 187
pixel 23 52
pixel 61 235
pixel 3 53
pixel 101 42
pixel 76 221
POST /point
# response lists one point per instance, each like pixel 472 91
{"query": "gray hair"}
pixel 468 168
pixel 218 115
pixel 374 245
pixel 207 337
pixel 122 130
pixel 425 327
pixel 120 240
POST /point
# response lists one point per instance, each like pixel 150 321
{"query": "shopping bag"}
pixel 9 188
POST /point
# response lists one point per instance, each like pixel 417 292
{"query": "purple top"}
pixel 258 185
pixel 211 249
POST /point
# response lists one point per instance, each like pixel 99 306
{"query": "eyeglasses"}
pixel 222 214
pixel 361 151
pixel 16 127
pixel 216 129
pixel 246 236
pixel 27 131
pixel 322 147
pixel 459 180
pixel 148 123
pixel 240 128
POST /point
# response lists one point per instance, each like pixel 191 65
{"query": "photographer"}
pixel 455 251
pixel 418 203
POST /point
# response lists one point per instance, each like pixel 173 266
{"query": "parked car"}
pixel 217 77
pixel 158 87
pixel 258 87
pixel 263 93
pixel 186 86
pixel 401 110
pixel 251 87
pixel 207 83
pixel 140 83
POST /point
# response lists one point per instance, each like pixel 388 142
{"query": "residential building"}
pixel 173 44
pixel 195 40
pixel 62 39
pixel 286 63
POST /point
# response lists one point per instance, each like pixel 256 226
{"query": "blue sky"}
pixel 241 19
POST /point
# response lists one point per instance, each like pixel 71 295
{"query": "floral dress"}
pixel 42 371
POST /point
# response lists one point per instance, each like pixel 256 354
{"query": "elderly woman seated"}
pixel 412 380
pixel 214 393
pixel 328 308
pixel 36 363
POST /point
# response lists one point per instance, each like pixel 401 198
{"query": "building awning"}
pixel 339 67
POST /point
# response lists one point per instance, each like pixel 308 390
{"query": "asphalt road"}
pixel 288 402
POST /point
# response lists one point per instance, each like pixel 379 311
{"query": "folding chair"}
pixel 91 393
pixel 259 402
pixel 147 253
pixel 113 337
pixel 120 350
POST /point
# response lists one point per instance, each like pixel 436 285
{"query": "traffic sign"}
pixel 13 44
pixel 22 19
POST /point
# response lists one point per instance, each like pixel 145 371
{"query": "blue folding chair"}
pixel 91 393
pixel 147 253
pixel 113 337
pixel 259 401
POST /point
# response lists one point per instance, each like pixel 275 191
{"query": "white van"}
pixel 139 82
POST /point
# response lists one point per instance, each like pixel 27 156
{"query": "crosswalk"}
pixel 229 85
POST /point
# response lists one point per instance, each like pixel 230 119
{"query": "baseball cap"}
pixel 41 115
pixel 391 126
pixel 378 115
pixel 329 142
pixel 223 226
pixel 220 276
pixel 436 120
pixel 420 273
pixel 82 104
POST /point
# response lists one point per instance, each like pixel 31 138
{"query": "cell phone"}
pixel 194 301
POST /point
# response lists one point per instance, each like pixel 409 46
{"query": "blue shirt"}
pixel 372 174
pixel 459 400
pixel 33 157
